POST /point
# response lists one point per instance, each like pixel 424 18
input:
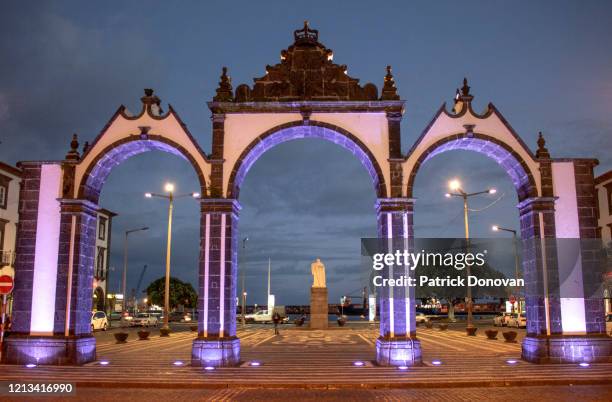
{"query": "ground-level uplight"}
pixel 255 364
pixel 178 363
pixel 584 364
pixel 403 368
pixel 104 363
pixel 436 362
pixel 511 361
pixel 30 365
pixel 209 368
pixel 358 363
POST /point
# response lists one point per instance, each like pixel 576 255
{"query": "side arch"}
pixel 295 130
pixel 502 153
pixel 92 181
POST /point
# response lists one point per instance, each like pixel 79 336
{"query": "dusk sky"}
pixel 66 67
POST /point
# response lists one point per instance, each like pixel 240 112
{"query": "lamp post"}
pixel 170 196
pixel 457 191
pixel 125 261
pixel 497 228
pixel 244 294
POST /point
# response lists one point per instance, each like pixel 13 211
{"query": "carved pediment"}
pixel 306 72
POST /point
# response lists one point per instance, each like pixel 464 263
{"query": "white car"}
pixel 501 320
pixel 99 321
pixel 517 321
pixel 144 320
pixel 421 318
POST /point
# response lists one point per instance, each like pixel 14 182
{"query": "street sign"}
pixel 6 284
pixel 512 299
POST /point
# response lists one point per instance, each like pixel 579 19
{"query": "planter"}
pixel 194 328
pixel 510 336
pixel 471 331
pixel 443 327
pixel 299 322
pixel 491 334
pixel 164 332
pixel 143 335
pixel 341 322
pixel 428 324
pixel 121 337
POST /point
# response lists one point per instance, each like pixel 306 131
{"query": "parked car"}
pixel 421 318
pixel 179 316
pixel 517 320
pixel 501 320
pixel 99 321
pixel 144 320
pixel 126 318
pixel 114 316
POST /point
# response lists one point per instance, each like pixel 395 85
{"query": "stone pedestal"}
pixel 222 352
pixel 567 349
pixel 318 308
pixel 51 350
pixel 398 352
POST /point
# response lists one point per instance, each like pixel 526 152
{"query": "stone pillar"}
pixel 319 308
pixel 397 344
pixel 57 240
pixel 217 344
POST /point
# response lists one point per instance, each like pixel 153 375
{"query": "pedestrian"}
pixel 276 318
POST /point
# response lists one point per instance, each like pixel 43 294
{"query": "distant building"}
pixel 10 181
pixel 101 260
pixel 603 186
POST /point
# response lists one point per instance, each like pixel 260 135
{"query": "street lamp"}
pixel 169 188
pixel 125 260
pixel 497 228
pixel 455 186
pixel 244 294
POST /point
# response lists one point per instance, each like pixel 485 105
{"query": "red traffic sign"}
pixel 6 284
pixel 512 299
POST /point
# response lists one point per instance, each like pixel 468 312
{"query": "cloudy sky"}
pixel 66 67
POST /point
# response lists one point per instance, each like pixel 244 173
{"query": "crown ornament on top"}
pixel 306 72
pixel 306 34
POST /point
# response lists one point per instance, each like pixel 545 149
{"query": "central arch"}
pixel 295 130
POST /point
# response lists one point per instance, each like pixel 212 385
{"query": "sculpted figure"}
pixel 318 274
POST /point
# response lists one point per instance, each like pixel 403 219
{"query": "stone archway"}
pixel 305 94
pixel 290 131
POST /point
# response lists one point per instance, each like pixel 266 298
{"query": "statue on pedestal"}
pixel 318 274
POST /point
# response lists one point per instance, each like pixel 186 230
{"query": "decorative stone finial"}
pixel 542 151
pixel 73 154
pixel 85 147
pixel 465 89
pixel 151 102
pixel 389 91
pixel 224 90
pixel 306 34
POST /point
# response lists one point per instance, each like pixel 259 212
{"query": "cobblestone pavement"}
pixel 300 358
pixel 581 393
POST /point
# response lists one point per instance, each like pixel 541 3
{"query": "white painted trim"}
pixel 567 226
pixel 407 275
pixel 206 257
pixel 222 280
pixel 391 310
pixel 46 251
